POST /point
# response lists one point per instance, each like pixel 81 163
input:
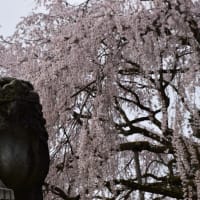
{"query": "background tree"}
pixel 119 82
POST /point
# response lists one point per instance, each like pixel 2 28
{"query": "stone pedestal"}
pixel 6 194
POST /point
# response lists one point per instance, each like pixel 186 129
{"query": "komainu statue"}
pixel 24 154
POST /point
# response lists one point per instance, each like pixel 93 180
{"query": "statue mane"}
pixel 20 104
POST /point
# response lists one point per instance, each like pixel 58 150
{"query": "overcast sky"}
pixel 12 10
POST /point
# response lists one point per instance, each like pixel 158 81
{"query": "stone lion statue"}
pixel 24 154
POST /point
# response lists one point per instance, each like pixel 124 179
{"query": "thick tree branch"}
pixel 144 132
pixel 144 146
pixel 151 117
pixel 156 188
pixel 174 180
pixel 134 71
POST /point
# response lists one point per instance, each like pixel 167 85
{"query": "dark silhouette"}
pixel 24 155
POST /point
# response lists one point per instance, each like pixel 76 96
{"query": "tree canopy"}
pixel 119 82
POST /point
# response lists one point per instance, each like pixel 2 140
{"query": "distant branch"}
pixel 83 89
pixel 59 192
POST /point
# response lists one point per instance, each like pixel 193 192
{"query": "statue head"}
pixel 24 155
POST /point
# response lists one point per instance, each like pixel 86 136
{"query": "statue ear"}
pixel 2 185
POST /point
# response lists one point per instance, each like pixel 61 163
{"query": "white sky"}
pixel 12 10
pixel 10 13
